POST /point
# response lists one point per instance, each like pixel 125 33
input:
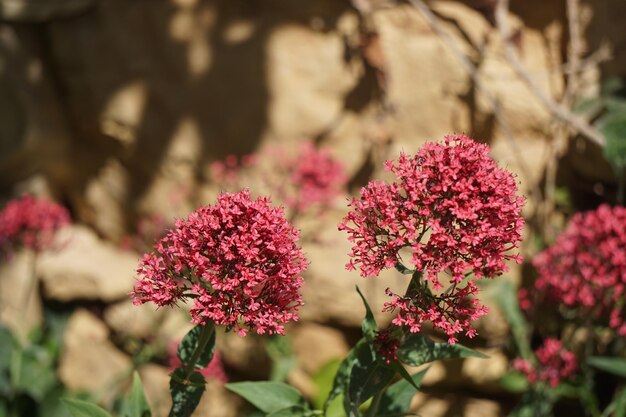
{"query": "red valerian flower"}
pixel 585 269
pixel 554 364
pixel 316 178
pixel 237 259
pixel 455 212
pixel 31 223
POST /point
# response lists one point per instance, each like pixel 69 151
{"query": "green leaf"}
pixel 534 403
pixel 369 375
pixel 615 366
pixel 506 298
pixel 80 408
pixel 188 345
pixel 35 374
pixel 619 404
pixel 267 396
pixel 135 403
pixel 397 366
pixel 186 393
pixel 418 350
pixel 368 325
pixel 613 127
pixel 397 398
pixel 7 346
pixel 343 374
pixel 279 349
pixel 293 411
pixel 514 382
pixel 323 380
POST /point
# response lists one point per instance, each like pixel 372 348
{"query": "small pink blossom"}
pixel 554 364
pixel 237 259
pixel 456 213
pixel 31 223
pixel 585 269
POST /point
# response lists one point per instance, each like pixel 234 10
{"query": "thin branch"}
pixel 558 110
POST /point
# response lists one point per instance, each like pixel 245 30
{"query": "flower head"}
pixel 239 261
pixel 31 223
pixel 554 364
pixel 455 212
pixel 585 269
pixel 315 177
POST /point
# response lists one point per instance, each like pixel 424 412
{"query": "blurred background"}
pixel 131 113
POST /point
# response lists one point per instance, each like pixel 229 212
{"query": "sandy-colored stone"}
pixel 147 321
pixel 484 374
pixel 89 361
pixel 454 405
pixel 215 402
pixel 329 290
pixel 86 267
pixel 20 304
pixel 315 345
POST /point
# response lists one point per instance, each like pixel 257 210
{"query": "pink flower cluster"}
pixel 585 269
pixel 555 364
pixel 214 370
pixel 310 179
pixel 316 178
pixel 237 259
pixel 455 212
pixel 31 223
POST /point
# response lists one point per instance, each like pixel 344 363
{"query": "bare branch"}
pixel 558 110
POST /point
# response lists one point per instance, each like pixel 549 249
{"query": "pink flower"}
pixel 31 223
pixel 455 212
pixel 316 179
pixel 585 269
pixel 554 364
pixel 239 261
pixel 214 370
pixel 309 180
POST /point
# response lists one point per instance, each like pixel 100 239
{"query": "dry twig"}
pixel 558 110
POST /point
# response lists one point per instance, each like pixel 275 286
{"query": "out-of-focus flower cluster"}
pixel 237 259
pixel 31 223
pixel 214 370
pixel 585 269
pixel 315 177
pixel 456 212
pixel 306 181
pixel 554 364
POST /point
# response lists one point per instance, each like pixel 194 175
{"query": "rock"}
pixel 215 402
pixel 20 302
pixel 484 374
pixel 454 405
pixel 86 267
pixel 246 356
pixel 89 361
pixel 41 11
pixel 146 320
pixel 329 290
pixel 315 345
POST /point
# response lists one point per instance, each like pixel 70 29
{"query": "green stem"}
pixel 205 336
